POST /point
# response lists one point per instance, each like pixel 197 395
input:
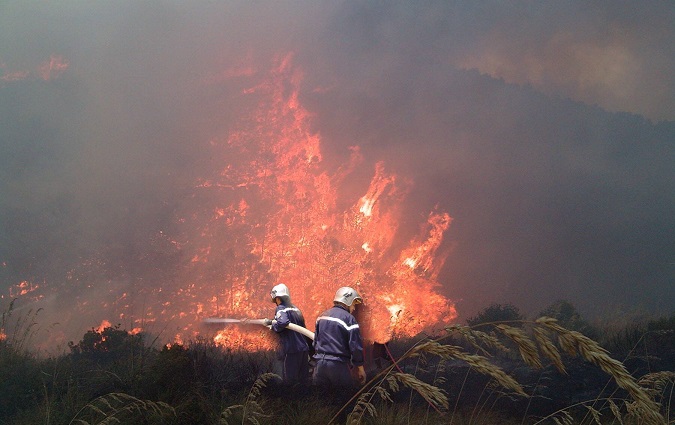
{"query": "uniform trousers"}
pixel 334 373
pixel 295 368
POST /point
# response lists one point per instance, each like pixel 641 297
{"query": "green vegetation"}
pixel 501 368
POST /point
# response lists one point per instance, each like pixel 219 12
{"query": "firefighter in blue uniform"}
pixel 338 347
pixel 294 347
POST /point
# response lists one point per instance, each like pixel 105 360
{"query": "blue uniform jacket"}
pixel 338 337
pixel 291 341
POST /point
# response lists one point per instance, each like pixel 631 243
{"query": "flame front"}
pixel 275 218
pixel 267 209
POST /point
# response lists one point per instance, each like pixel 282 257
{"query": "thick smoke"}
pixel 545 130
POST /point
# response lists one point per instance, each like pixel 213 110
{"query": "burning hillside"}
pixel 273 211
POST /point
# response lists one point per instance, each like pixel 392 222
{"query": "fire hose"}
pixel 227 321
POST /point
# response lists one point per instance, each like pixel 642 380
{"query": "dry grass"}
pixel 642 405
pixel 527 348
pixel 549 349
pixel 660 386
pixel 389 380
pixel 543 340
pixel 395 382
pixel 252 410
pixel 479 363
pixel 539 344
pixel 481 341
pixel 18 335
pixel 116 407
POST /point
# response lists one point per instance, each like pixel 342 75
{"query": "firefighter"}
pixel 338 347
pixel 294 347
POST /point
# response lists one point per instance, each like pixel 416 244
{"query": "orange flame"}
pixel 270 210
pixel 55 66
pixel 282 205
pixel 104 324
pixel 23 288
pixel 47 70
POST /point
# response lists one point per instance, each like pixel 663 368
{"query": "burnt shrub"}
pixel 113 359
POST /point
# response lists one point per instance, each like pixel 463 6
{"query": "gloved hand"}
pixel 359 374
pixel 268 322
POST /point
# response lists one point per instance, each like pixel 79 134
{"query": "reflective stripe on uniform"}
pixel 341 322
pixel 285 310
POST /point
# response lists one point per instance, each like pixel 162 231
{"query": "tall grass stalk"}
pixel 252 409
pixel 113 407
pixel 432 394
pixel 22 331
pixel 547 341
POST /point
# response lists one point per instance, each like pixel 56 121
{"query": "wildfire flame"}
pixel 268 211
pixel 55 66
pixel 49 69
pixel 280 205
pixel 23 288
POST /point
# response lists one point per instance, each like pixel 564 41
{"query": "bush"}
pixel 568 317
pixel 497 313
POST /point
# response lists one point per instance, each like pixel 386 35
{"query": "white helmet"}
pixel 280 290
pixel 347 296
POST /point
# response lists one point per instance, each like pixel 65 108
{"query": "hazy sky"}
pixel 545 129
